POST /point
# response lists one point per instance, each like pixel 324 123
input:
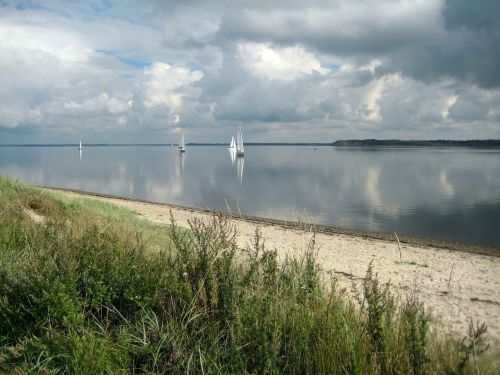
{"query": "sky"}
pixel 129 71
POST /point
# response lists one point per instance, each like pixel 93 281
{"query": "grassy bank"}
pixel 86 287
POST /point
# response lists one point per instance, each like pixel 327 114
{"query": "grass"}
pixel 95 289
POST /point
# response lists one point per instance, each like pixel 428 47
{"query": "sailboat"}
pixel 240 149
pixel 232 145
pixel 80 147
pixel 182 145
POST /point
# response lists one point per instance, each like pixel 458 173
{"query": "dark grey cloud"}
pixel 363 29
pixel 474 15
pixel 465 55
pixel 426 40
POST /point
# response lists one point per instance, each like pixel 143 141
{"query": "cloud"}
pixel 167 84
pixel 100 105
pixel 285 64
pixel 285 70
pixel 339 27
pixel 55 80
pixel 64 46
pixel 425 39
pixel 475 105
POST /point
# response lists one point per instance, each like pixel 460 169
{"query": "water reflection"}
pixel 448 194
pixel 132 189
pixel 240 163
pixel 180 169
pixel 232 155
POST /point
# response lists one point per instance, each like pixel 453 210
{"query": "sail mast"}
pixel 183 148
pixel 240 150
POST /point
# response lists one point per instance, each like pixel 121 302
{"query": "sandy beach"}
pixel 455 285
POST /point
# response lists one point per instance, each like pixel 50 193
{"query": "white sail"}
pixel 240 149
pixel 232 145
pixel 182 146
pixel 80 147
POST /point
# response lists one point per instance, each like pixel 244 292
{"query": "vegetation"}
pixel 486 143
pixel 86 287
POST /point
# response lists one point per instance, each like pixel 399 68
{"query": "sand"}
pixel 456 286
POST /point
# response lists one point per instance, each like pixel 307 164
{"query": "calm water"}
pixel 450 194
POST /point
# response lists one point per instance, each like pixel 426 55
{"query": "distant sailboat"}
pixel 182 145
pixel 80 147
pixel 240 149
pixel 232 145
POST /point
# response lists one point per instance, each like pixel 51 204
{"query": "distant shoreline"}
pixel 473 143
pixel 488 143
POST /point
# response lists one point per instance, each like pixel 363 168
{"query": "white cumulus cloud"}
pixel 286 63
pixel 167 84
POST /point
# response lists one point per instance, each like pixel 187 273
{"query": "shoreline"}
pixel 455 286
pixel 156 278
pixel 319 228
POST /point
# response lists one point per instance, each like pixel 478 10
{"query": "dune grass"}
pixel 92 288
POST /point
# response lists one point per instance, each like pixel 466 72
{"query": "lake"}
pixel 443 193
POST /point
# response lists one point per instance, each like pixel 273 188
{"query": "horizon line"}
pixel 246 143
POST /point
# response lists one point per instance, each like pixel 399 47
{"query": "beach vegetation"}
pixel 87 287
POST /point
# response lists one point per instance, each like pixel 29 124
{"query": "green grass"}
pixel 153 236
pixel 95 289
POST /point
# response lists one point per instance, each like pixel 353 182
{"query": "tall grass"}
pixel 82 292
